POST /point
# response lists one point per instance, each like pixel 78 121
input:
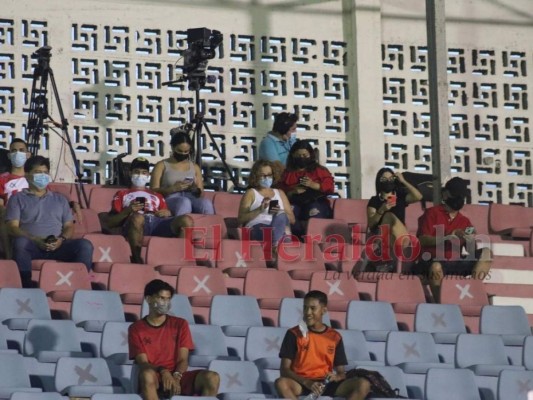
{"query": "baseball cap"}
pixel 457 187
pixel 140 162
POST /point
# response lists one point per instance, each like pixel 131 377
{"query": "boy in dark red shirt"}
pixel 309 354
pixel 444 233
pixel 160 345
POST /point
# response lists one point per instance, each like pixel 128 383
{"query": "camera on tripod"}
pixel 202 45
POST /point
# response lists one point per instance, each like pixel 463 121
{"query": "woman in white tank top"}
pixel 180 180
pixel 265 211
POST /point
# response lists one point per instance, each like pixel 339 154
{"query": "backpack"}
pixel 424 184
pixel 379 386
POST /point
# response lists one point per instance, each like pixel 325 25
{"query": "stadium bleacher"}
pixel 386 320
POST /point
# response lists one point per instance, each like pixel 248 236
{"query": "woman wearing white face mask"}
pixel 141 211
pixel 263 208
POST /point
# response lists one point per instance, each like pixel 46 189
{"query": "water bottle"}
pixel 313 396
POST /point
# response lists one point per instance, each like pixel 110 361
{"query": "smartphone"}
pixel 469 230
pixel 50 239
pixel 140 199
pixel 272 204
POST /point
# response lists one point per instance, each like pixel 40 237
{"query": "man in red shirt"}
pixel 141 211
pixel 10 183
pixel 445 234
pixel 160 345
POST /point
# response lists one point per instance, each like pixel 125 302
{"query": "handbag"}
pixel 379 387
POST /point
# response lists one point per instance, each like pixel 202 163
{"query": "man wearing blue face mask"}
pixel 10 183
pixel 141 211
pixel 41 223
pixel 160 345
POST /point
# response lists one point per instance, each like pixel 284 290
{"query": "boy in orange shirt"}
pixel 309 354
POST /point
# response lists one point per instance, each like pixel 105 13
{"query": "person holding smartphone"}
pixel 265 211
pixel 141 211
pixel 447 240
pixel 307 184
pixel 180 180
pixel 386 216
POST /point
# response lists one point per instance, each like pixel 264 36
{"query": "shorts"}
pixel 153 226
pixel 187 383
pixel 330 389
pixel 461 267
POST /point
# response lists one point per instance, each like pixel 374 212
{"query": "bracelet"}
pixel 177 374
pixel 62 237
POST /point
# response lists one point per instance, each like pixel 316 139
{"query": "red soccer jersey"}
pixel 153 201
pixel 11 184
pixel 436 220
pixel 162 343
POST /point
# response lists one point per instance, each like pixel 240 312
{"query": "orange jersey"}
pixel 316 355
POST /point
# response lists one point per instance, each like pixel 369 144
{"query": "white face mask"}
pixel 139 180
pixel 18 158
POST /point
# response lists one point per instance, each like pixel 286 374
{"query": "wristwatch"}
pixel 177 374
pixel 62 237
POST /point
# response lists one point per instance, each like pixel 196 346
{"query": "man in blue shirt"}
pixel 276 144
pixel 41 223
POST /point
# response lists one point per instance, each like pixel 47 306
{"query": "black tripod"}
pixel 39 111
pixel 199 125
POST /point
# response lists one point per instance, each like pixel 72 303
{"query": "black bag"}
pixel 424 184
pixel 379 386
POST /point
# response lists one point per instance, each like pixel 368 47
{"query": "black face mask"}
pixel 455 203
pixel 180 157
pixel 302 162
pixel 387 186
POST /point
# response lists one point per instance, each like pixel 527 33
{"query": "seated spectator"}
pixel 276 144
pixel 160 344
pixel 40 223
pixel 180 180
pixel 307 185
pixel 311 352
pixel 10 183
pixel 386 212
pixel 444 233
pixel 13 182
pixel 142 212
pixel 265 211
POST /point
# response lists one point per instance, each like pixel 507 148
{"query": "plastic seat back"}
pixel 444 384
pixel 92 308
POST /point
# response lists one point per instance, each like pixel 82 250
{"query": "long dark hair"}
pixel 380 174
pixel 302 145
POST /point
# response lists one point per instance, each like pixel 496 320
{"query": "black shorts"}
pixel 330 389
pixel 461 267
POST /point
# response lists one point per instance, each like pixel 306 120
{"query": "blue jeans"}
pixel 72 250
pixel 185 203
pixel 317 209
pixel 278 225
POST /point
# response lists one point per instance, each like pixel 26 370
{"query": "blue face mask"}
pixel 18 158
pixel 41 181
pixel 139 180
pixel 266 182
